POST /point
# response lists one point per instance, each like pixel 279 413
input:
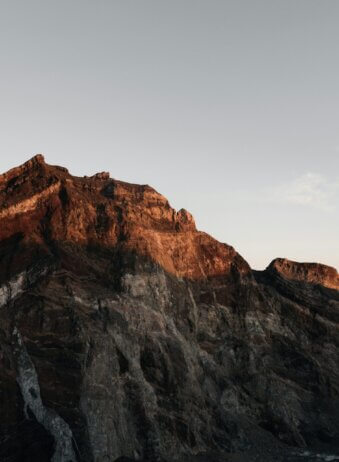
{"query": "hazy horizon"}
pixel 228 108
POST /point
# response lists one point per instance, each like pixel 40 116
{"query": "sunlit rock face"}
pixel 125 332
pixel 312 273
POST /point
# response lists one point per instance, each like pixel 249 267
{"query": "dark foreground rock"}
pixel 126 333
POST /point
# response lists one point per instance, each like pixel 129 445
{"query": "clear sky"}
pixel 230 108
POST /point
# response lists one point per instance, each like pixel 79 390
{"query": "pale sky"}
pixel 230 108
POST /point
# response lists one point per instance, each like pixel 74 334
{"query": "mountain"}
pixel 127 334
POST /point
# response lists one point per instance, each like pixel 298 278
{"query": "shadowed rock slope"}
pixel 125 332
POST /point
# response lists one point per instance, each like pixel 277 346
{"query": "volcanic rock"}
pixel 127 333
pixel 312 273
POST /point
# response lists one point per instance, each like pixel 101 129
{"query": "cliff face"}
pixel 126 332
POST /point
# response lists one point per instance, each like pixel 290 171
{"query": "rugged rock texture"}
pixel 312 273
pixel 125 332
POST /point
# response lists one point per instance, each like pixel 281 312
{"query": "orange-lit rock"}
pixel 125 331
pixel 313 273
pixel 37 198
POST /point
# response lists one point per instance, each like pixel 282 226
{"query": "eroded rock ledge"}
pixel 313 273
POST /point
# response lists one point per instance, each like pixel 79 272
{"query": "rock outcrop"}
pixel 125 332
pixel 311 273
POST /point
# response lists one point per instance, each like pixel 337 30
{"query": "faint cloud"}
pixel 311 190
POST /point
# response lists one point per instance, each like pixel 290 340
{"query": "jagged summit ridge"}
pixel 125 331
pixel 31 186
pixel 109 212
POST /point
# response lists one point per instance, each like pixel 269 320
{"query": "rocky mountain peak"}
pixel 99 209
pixel 126 334
pixel 24 169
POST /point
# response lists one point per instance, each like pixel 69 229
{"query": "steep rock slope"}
pixel 126 332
